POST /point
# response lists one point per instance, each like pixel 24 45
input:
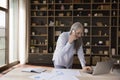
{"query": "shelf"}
pixel 63 16
pixel 100 19
pixel 38 45
pixel 39 35
pixel 116 56
pixel 96 54
pixel 81 16
pixel 38 3
pixel 38 16
pixel 63 3
pixel 65 10
pixel 100 36
pixel 38 26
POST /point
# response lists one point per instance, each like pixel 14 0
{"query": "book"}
pixel 35 70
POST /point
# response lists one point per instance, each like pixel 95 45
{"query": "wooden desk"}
pixel 17 74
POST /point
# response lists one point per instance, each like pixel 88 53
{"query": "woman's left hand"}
pixel 87 68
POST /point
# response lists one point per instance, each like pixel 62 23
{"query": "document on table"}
pixel 35 70
pixel 69 72
pixel 58 74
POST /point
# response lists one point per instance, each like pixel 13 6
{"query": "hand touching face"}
pixel 72 36
pixel 78 33
pixel 75 35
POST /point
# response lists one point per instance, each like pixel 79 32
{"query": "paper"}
pixel 36 70
pixel 53 76
pixel 69 72
pixel 57 74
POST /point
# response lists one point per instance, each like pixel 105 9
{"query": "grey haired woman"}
pixel 68 44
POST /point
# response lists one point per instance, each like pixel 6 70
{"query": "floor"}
pixel 4 72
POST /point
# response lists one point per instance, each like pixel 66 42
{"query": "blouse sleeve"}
pixel 62 45
pixel 81 56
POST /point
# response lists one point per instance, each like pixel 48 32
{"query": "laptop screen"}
pixel 103 67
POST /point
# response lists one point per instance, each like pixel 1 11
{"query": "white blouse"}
pixel 64 52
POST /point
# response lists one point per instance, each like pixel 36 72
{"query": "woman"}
pixel 68 44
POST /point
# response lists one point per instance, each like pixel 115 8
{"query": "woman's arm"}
pixel 63 45
pixel 82 60
pixel 81 57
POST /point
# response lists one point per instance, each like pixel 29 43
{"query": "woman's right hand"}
pixel 72 37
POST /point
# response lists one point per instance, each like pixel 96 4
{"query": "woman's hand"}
pixel 87 69
pixel 72 37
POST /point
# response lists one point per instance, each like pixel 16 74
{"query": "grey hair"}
pixel 75 26
pixel 78 42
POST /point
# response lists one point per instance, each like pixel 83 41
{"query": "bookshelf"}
pixel 49 18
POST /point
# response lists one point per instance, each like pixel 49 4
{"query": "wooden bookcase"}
pixel 49 18
pixel 115 30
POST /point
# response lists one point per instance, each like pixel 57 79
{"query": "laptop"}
pixel 102 68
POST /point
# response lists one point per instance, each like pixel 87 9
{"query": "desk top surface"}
pixel 17 74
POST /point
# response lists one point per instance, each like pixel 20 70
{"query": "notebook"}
pixel 102 68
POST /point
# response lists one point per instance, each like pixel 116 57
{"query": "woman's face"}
pixel 78 33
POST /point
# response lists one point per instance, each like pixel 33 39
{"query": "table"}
pixel 17 74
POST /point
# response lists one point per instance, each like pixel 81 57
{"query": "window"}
pixel 3 34
pixel 3 3
pixel 2 38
